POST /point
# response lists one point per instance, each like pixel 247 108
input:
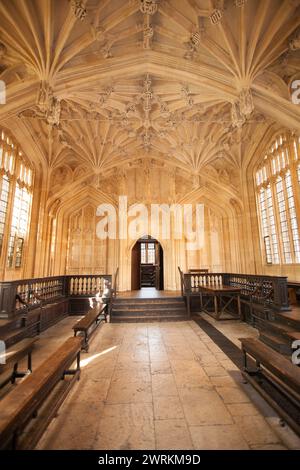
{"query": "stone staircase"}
pixel 281 330
pixel 148 310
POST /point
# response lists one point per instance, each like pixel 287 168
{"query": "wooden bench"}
pixel 294 335
pixel 11 358
pixel 27 410
pixel 278 369
pixel 94 316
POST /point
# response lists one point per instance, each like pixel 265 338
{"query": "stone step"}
pixel 148 313
pixel 149 305
pixel 141 319
pixel 154 308
pixel 143 301
pixel 149 301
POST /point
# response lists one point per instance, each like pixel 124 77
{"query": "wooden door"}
pixel 159 267
pixel 135 267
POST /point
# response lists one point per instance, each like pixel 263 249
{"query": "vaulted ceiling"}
pixel 191 84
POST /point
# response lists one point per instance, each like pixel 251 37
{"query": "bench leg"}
pixel 245 367
pixel 39 327
pixel 29 362
pixel 14 374
pixel 78 364
pixel 188 304
pixel 86 342
pixel 258 369
pixel 245 360
pixel 247 370
pixel 14 442
pixel 75 371
pixel 240 308
pixel 17 375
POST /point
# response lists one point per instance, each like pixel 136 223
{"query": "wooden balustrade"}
pixel 205 279
pixel 266 290
pixel 86 285
pixel 34 291
pixel 19 295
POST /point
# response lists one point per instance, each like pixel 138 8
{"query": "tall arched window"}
pixel 16 181
pixel 278 200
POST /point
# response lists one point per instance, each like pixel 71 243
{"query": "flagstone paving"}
pixel 159 386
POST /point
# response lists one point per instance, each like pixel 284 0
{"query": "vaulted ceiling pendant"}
pixel 148 7
pixel 78 9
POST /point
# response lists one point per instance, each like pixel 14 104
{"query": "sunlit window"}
pixel 276 181
pixel 151 253
pixel 143 253
pixel 292 216
pixel 147 253
pixel 268 225
pixel 3 206
pixel 284 229
pixel 19 225
pixel 16 179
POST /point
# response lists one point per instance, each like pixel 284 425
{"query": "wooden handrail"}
pixel 116 281
pixel 182 282
pixel 113 293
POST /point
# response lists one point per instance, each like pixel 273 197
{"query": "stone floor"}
pixel 159 386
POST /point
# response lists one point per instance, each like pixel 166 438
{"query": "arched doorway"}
pixel 147 268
